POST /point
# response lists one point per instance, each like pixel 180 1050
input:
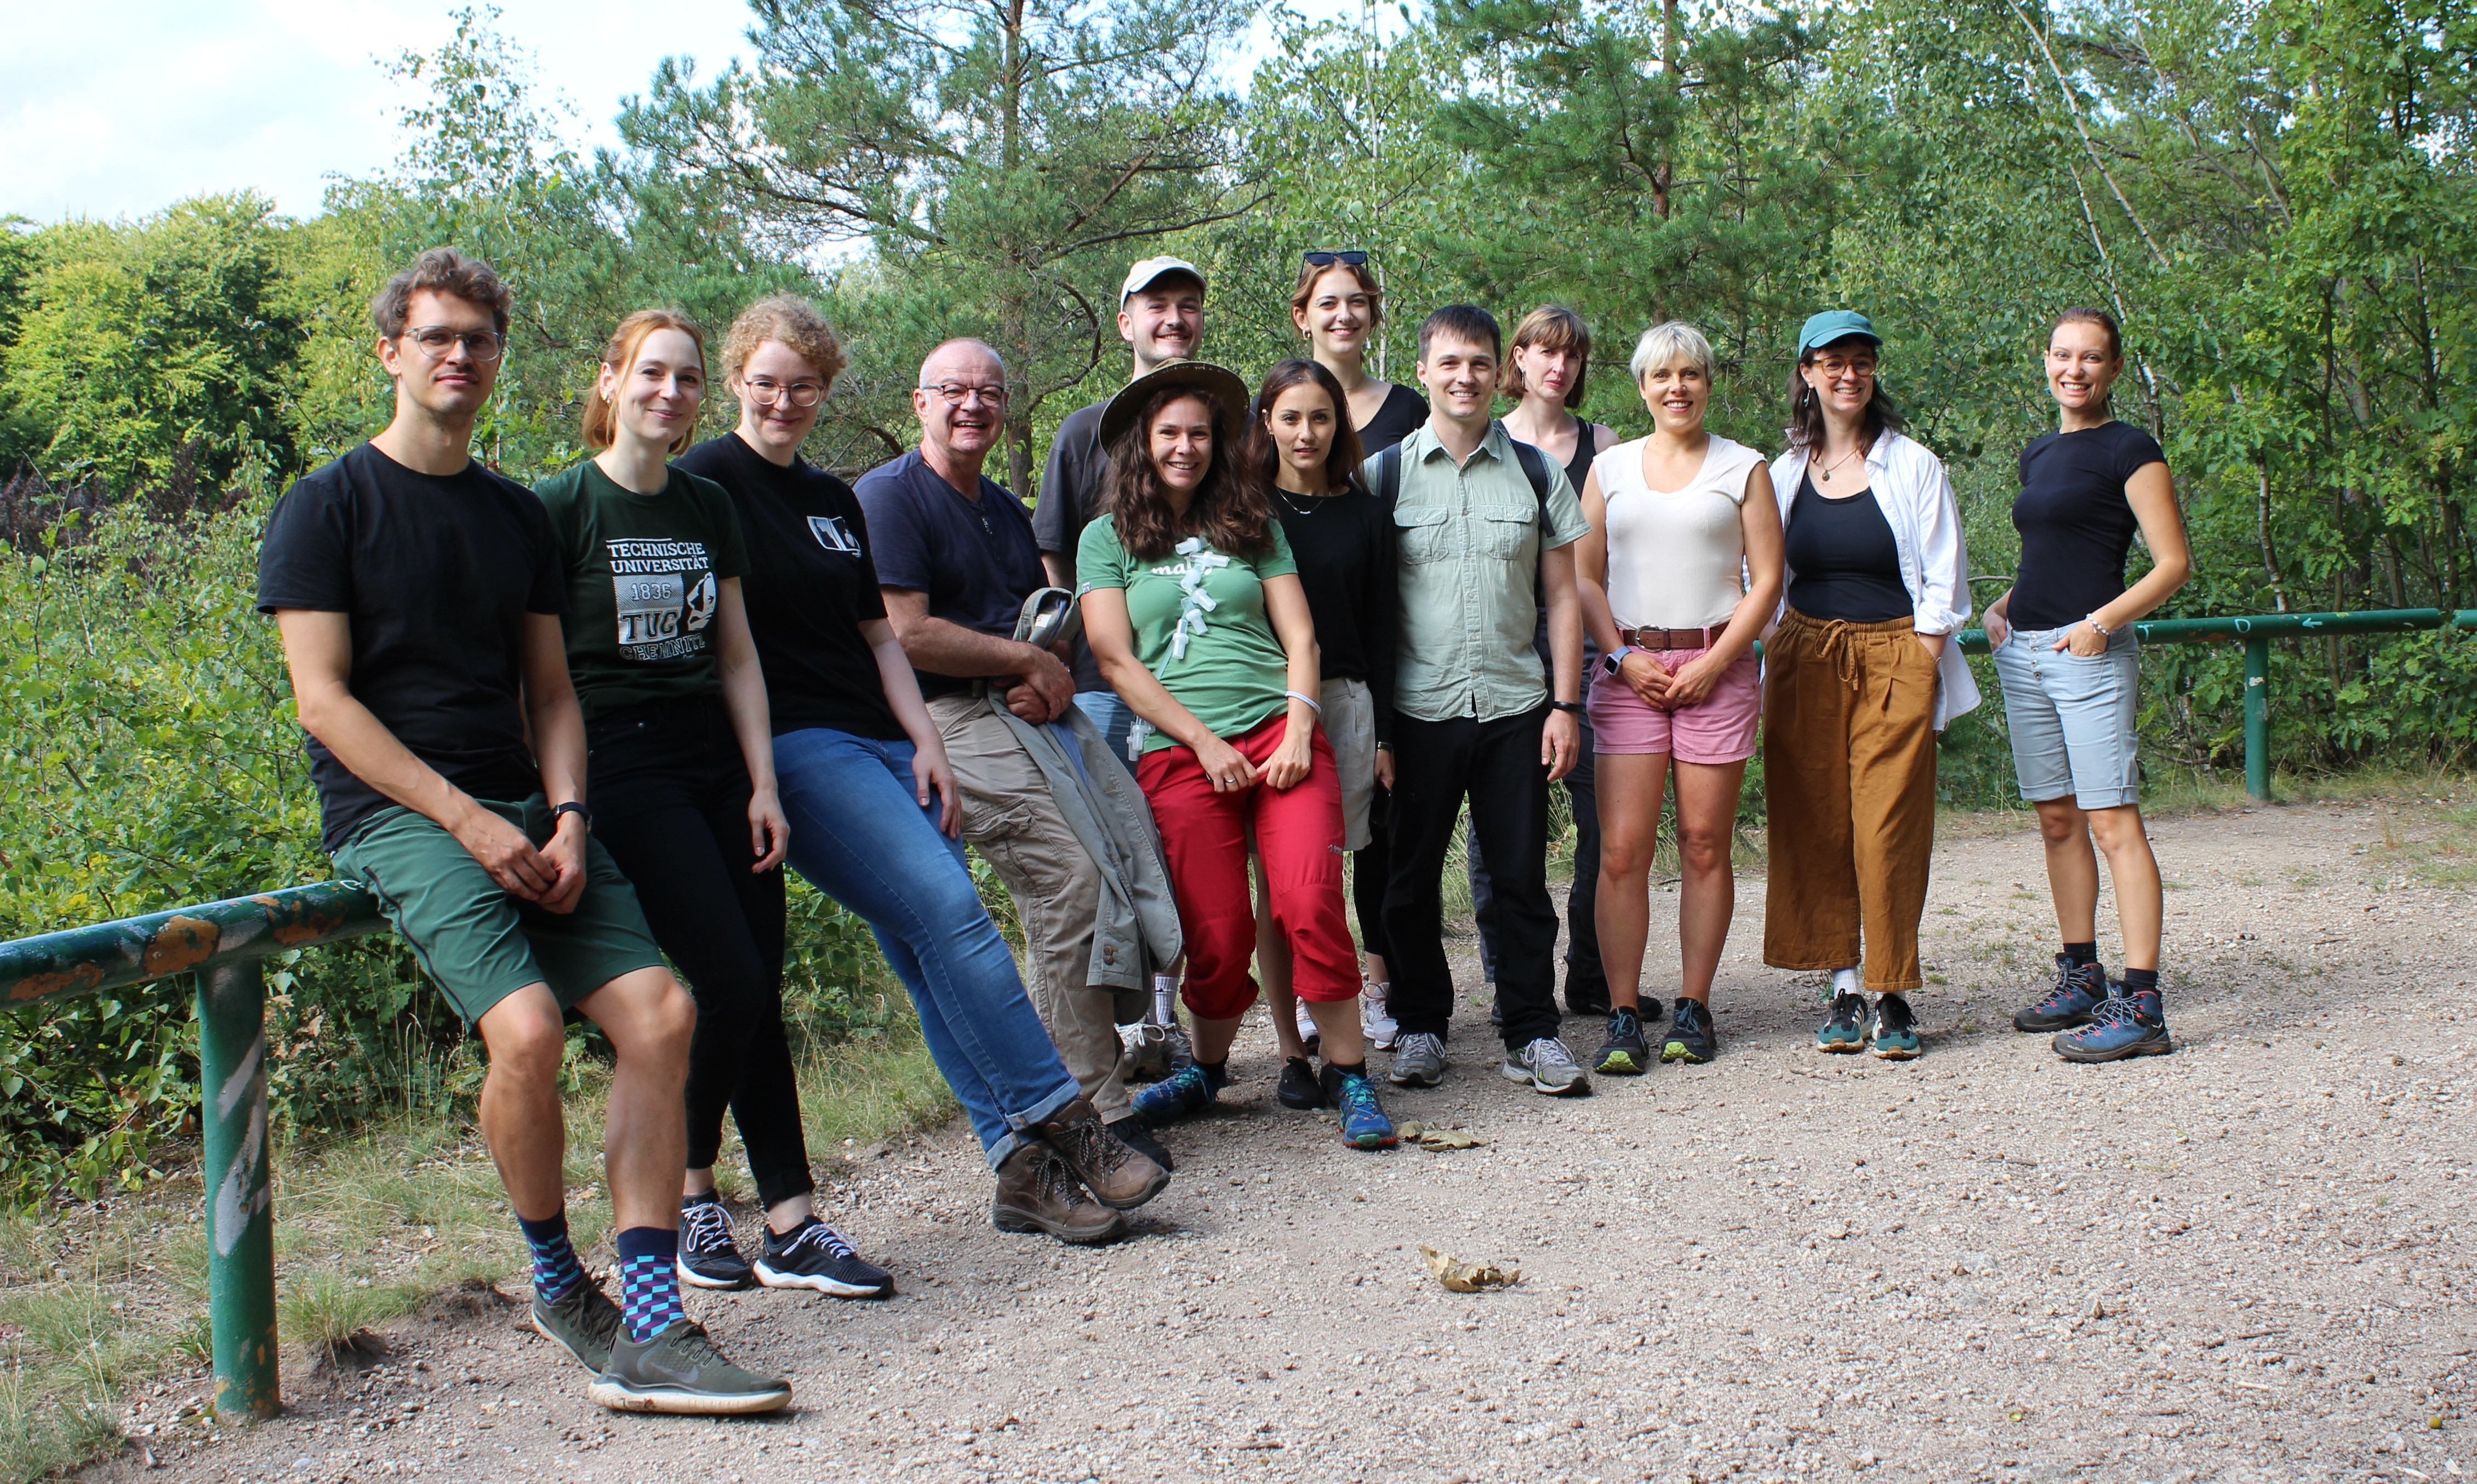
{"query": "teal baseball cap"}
pixel 1834 324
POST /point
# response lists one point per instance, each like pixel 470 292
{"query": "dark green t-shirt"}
pixel 644 584
pixel 1200 625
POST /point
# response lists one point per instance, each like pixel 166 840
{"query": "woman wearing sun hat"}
pixel 1861 673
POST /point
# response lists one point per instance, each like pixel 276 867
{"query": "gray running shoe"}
pixel 1548 1066
pixel 1418 1059
pixel 679 1370
pixel 584 1324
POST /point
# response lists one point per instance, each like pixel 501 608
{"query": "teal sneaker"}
pixel 1364 1123
pixel 1625 1053
pixel 1845 1031
pixel 1183 1094
pixel 1690 1039
pixel 1895 1032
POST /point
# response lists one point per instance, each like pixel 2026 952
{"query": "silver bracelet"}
pixel 1310 701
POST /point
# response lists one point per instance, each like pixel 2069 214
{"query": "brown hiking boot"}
pixel 1037 1193
pixel 1118 1176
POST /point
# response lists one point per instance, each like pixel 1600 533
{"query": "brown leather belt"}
pixel 1666 638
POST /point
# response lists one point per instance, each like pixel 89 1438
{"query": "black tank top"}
pixel 1842 559
pixel 1587 447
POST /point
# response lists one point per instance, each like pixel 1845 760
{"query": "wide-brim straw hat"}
pixel 1217 383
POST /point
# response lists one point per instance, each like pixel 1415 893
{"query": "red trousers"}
pixel 1205 836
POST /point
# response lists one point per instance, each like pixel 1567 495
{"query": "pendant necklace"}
pixel 1315 503
pixel 1837 463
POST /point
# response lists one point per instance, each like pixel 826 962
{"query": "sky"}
pixel 112 110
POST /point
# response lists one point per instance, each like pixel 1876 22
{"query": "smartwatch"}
pixel 1614 661
pixel 572 807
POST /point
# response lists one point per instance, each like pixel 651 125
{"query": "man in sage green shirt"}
pixel 1481 519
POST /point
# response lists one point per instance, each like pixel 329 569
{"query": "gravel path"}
pixel 2249 1260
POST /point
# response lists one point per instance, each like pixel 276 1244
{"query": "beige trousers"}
pixel 1009 818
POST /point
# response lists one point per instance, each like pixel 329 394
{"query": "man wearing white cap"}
pixel 1161 317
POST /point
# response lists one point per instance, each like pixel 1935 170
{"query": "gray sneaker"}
pixel 679 1370
pixel 584 1324
pixel 1548 1066
pixel 1418 1059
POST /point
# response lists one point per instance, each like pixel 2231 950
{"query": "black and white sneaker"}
pixel 709 1254
pixel 813 1255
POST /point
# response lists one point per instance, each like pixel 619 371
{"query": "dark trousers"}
pixel 1371 869
pixel 670 803
pixel 1496 766
pixel 1586 983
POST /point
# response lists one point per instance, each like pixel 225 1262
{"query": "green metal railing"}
pixel 222 944
pixel 2257 630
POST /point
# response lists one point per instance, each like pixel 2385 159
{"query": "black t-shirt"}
pixel 1070 496
pixel 1343 546
pixel 644 585
pixel 1400 416
pixel 976 559
pixel 2075 523
pixel 810 584
pixel 437 575
pixel 1844 562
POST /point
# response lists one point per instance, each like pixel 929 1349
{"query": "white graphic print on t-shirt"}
pixel 832 534
pixel 665 595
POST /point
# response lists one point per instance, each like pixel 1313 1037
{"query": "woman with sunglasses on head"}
pixel 1859 676
pixel 873 811
pixel 2071 669
pixel 680 774
pixel 1338 306
pixel 1196 613
pixel 1301 448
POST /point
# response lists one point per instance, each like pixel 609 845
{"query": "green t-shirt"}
pixel 1222 661
pixel 644 584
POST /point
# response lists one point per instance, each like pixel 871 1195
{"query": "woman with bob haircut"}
pixel 1681 572
pixel 1194 609
pixel 874 814
pixel 2071 671
pixel 1859 676
pixel 1300 446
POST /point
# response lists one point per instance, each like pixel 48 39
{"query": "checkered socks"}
pixel 649 1281
pixel 556 1270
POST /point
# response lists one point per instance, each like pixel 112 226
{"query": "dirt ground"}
pixel 2250 1260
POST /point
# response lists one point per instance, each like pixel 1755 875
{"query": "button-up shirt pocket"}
pixel 1507 531
pixel 1423 535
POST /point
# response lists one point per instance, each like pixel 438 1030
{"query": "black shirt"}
pixel 436 575
pixel 976 560
pixel 2075 523
pixel 1070 496
pixel 1400 416
pixel 1842 560
pixel 1343 546
pixel 810 584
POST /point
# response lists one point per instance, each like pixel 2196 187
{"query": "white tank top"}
pixel 1676 558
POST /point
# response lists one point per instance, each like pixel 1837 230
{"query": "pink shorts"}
pixel 1719 729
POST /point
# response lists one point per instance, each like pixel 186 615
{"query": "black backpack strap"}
pixel 1535 467
pixel 1388 476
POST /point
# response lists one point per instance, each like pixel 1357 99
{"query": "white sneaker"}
pixel 1380 1027
pixel 1307 1025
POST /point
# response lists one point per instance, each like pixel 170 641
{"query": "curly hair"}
pixel 796 323
pixel 1229 511
pixel 1263 456
pixel 441 270
pixel 601 417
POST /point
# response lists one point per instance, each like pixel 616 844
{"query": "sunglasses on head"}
pixel 1325 260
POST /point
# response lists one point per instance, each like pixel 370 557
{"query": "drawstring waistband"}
pixel 1837 642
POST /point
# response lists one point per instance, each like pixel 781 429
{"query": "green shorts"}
pixel 477 943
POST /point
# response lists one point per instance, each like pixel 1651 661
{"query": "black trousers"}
pixel 1496 766
pixel 1371 871
pixel 670 803
pixel 1587 982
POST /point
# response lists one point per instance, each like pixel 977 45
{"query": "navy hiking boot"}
pixel 1183 1094
pixel 2078 992
pixel 2124 1025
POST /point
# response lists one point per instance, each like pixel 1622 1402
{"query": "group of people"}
pixel 1244 638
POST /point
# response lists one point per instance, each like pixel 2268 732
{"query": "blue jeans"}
pixel 1110 717
pixel 2072 717
pixel 860 835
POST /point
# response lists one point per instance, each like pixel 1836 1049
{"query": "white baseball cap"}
pixel 1144 274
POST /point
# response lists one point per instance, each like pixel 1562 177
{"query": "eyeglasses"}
pixel 955 393
pixel 1354 257
pixel 437 343
pixel 803 394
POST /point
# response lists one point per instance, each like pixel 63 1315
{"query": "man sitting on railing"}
pixel 419 597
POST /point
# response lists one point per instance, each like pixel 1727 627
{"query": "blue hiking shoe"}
pixel 2123 1025
pixel 1895 1031
pixel 1364 1123
pixel 2079 990
pixel 1182 1093
pixel 1845 1030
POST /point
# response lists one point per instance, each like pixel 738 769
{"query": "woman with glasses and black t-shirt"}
pixel 2071 671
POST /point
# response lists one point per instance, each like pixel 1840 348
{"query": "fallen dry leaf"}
pixel 1461 1277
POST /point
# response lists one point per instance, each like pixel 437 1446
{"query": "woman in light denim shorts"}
pixel 2071 669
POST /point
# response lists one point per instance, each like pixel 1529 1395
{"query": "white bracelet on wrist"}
pixel 1309 699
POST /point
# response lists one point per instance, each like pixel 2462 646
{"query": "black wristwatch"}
pixel 572 807
pixel 1572 708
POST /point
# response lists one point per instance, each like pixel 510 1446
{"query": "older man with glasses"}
pixel 1068 833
